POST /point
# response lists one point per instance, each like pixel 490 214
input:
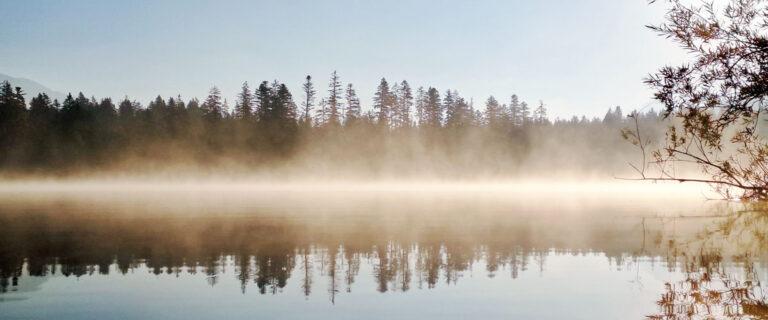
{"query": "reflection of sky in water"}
pixel 487 254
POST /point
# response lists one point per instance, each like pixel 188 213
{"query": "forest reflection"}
pixel 721 251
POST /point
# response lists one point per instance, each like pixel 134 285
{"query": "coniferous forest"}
pixel 325 129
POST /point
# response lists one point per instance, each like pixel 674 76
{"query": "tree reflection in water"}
pixel 721 278
pixel 718 253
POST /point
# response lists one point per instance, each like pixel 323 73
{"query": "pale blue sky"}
pixel 580 57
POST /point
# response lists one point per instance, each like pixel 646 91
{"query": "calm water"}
pixel 237 253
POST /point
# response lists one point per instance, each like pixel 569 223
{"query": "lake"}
pixel 239 251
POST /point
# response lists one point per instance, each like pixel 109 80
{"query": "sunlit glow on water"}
pixel 544 187
pixel 422 250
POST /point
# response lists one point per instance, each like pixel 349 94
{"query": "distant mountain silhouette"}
pixel 32 88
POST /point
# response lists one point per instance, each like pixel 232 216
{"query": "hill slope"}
pixel 32 88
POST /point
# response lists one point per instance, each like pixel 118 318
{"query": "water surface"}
pixel 362 253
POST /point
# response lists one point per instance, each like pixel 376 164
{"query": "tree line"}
pixel 265 125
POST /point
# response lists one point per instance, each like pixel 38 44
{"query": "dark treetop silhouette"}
pixel 407 132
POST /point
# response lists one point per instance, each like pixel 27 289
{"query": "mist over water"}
pixel 375 250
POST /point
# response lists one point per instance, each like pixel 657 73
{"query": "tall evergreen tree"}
pixel 106 109
pixel 77 129
pixel 42 137
pixel 105 119
pixel 284 108
pixel 460 114
pixel 334 100
pixel 382 103
pixel 493 112
pixel 157 111
pixel 309 100
pixel 353 106
pixel 540 114
pixel 403 104
pixel 449 106
pixel 264 101
pixel 613 116
pixel 244 104
pixel 40 105
pixel 515 117
pixel 213 106
pixel 12 120
pixel 321 114
pixel 464 115
pixel 525 113
pixel 126 108
pixel 421 101
pixel 433 110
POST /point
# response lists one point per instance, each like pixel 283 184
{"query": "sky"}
pixel 578 57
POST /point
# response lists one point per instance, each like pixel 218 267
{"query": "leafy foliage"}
pixel 718 98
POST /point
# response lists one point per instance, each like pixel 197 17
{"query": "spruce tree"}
pixel 449 105
pixel 321 115
pixel 353 106
pixel 514 111
pixel 433 110
pixel 493 112
pixel 244 104
pixel 263 101
pixel 525 113
pixel 213 106
pixel 309 101
pixel 404 102
pixel 421 101
pixel 334 100
pixel 540 114
pixel 284 108
pixel 382 104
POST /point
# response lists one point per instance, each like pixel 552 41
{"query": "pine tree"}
pixel 263 101
pixel 613 116
pixel 157 106
pixel 127 108
pixel 449 105
pixel 106 109
pixel 465 116
pixel 540 114
pixel 309 100
pixel 460 114
pixel 284 109
pixel 404 102
pixel 515 117
pixel 12 119
pixel 226 113
pixel 213 107
pixel 193 105
pixel 244 104
pixel 382 104
pixel 40 105
pixel 393 112
pixel 421 101
pixel 334 100
pixel 353 106
pixel 493 112
pixel 321 115
pixel 42 137
pixel 433 109
pixel 525 113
